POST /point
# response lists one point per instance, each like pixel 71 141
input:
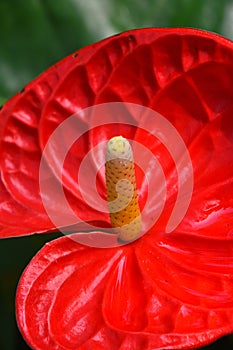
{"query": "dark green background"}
pixel 35 34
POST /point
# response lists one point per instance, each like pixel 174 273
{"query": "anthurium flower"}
pixel 158 290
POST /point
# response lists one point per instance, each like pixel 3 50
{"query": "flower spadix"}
pixel 121 189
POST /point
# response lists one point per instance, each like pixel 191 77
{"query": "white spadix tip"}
pixel 119 147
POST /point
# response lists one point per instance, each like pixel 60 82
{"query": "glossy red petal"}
pixel 211 211
pixel 169 83
pixel 5 111
pixel 182 74
pixel 16 215
pixel 164 291
pixel 20 149
pixel 194 279
pixel 78 90
pixel 13 231
pixel 125 297
pixel 74 297
pixel 211 256
pixel 192 286
pixel 59 296
pixel 21 155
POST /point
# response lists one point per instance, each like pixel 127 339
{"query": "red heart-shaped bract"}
pixel 163 291
pixel 143 296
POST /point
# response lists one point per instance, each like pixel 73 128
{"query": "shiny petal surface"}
pixel 166 290
pixel 58 298
pixel 183 74
pixel 123 302
pixel 21 155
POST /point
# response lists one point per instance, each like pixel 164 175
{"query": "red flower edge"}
pixel 179 287
pixel 184 72
pixel 142 296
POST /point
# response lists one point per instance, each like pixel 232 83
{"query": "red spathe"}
pixel 164 291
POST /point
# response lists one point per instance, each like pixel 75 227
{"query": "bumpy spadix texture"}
pixel 121 189
pixel 163 291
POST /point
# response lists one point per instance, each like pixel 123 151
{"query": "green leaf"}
pixel 2 100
